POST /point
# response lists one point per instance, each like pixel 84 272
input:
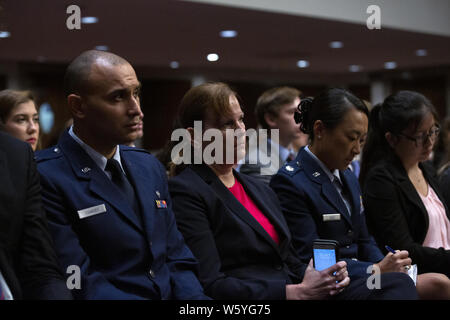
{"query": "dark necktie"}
pixel 121 181
pixel 2 296
pixel 340 188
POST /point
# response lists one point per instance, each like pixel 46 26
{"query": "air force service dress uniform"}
pixel 314 208
pixel 122 254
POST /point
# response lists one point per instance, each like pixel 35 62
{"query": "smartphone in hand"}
pixel 325 253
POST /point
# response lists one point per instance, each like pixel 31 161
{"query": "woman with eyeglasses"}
pixel 403 204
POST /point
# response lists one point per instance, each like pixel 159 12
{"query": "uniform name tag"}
pixel 332 217
pixel 91 211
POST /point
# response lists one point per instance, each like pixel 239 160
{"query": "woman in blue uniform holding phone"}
pixel 320 195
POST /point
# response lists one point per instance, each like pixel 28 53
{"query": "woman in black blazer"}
pixel 400 190
pixel 241 255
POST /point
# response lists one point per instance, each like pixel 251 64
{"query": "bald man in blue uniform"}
pixel 108 205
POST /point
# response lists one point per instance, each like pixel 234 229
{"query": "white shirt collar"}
pixel 98 158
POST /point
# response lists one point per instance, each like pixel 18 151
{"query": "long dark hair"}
pixel 330 107
pixel 398 112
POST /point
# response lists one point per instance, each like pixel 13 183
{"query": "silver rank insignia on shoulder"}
pixel 86 170
pixel 56 150
pixel 316 174
pixel 289 168
pixel 158 194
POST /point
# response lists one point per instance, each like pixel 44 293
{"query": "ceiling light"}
pixel 174 64
pixel 302 63
pixel 212 57
pixel 421 53
pixel 354 68
pixel 390 65
pixel 336 44
pixel 102 48
pixel 5 34
pixel 228 33
pixel 89 20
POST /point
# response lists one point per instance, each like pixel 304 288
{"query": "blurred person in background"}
pixel 19 116
pixel 274 109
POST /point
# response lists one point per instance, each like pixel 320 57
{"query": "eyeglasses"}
pixel 423 138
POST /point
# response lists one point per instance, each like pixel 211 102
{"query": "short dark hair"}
pixel 77 73
pixel 271 101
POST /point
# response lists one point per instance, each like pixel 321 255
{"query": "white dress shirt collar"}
pixel 98 158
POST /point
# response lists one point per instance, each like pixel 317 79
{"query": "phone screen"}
pixel 324 258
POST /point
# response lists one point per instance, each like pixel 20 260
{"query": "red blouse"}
pixel 238 191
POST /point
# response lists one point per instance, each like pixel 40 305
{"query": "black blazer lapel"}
pixel 430 177
pixel 266 208
pixel 406 187
pixel 231 202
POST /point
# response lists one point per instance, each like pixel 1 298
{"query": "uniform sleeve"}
pixel 180 260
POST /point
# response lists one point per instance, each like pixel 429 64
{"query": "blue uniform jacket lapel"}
pixel 140 178
pixel 86 169
pixel 315 173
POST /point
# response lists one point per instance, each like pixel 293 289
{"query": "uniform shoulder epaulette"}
pixel 48 154
pixel 291 168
